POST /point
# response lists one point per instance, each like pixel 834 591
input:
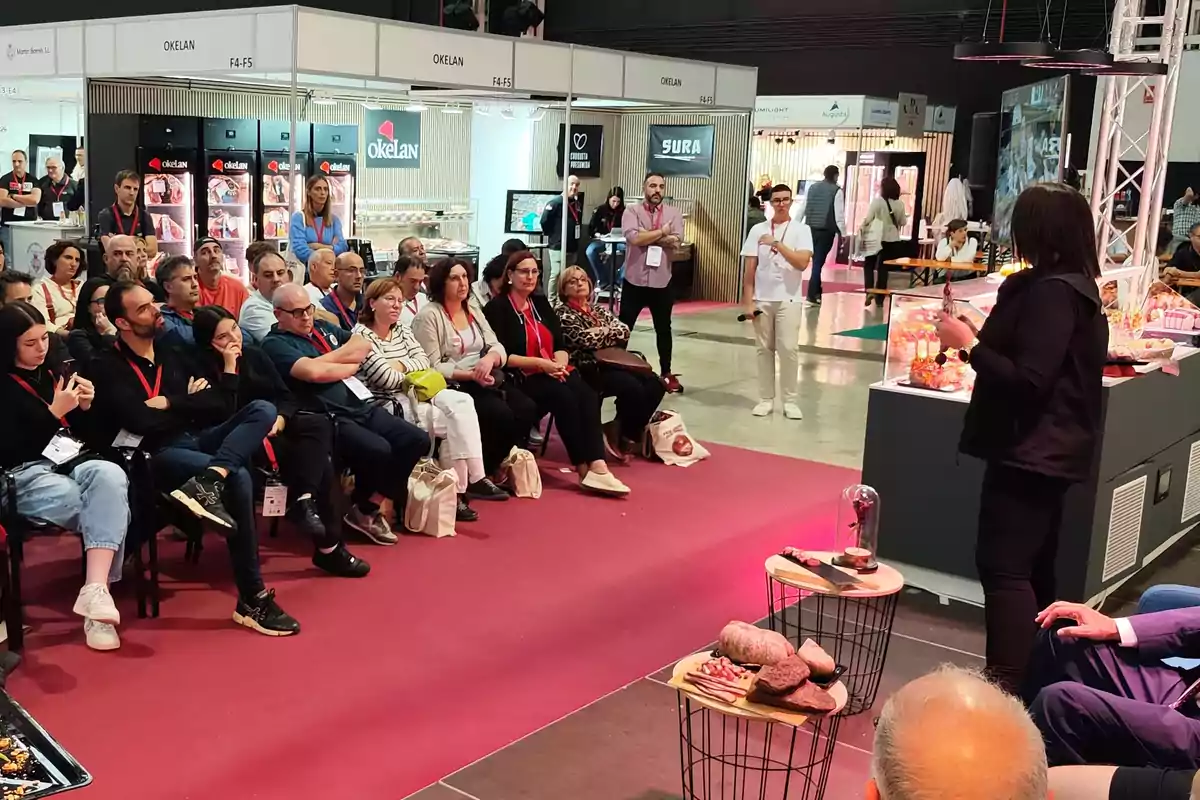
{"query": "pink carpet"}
pixel 450 649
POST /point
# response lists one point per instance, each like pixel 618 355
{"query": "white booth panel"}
pixel 70 50
pixel 273 41
pixel 879 113
pixel 736 86
pixel 598 73
pixel 183 44
pixel 355 53
pixel 420 55
pixel 668 81
pixel 809 111
pixel 541 67
pixel 27 52
pixel 100 54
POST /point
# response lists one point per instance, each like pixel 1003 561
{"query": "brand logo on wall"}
pixel 835 114
pixel 157 164
pixel 335 168
pixel 396 143
pixel 683 151
pixel 275 166
pixel 221 165
pixel 14 52
pixel 587 147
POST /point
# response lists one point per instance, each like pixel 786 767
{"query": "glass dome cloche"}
pixel 856 540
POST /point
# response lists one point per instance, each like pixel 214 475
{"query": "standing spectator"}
pixel 217 287
pixel 825 215
pixel 414 248
pixel 319 363
pixel 92 331
pixel 72 490
pixel 125 217
pixel 56 294
pixel 608 217
pixel 316 227
pixel 58 191
pixel 322 273
pixel 889 212
pixel 345 301
pixel 754 212
pixel 652 232
pixel 1035 414
pixel 177 276
pixel 552 227
pixel 1185 217
pixel 777 253
pixel 19 197
pixel 270 272
pixel 410 276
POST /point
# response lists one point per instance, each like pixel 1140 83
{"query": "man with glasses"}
pixel 346 298
pixel 777 252
pixel 270 272
pixel 58 191
pixel 319 363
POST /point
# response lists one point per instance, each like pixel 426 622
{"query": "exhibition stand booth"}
pixel 453 137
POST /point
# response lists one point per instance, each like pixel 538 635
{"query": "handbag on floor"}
pixel 521 471
pixel 666 438
pixel 432 496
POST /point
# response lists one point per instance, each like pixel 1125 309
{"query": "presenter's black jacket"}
pixel 1039 367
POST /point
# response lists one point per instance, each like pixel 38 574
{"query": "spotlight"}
pixel 513 18
pixel 791 140
pixel 778 140
pixel 459 15
pixel 1002 51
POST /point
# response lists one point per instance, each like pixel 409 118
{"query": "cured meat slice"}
pixel 808 698
pixel 747 644
pixel 783 676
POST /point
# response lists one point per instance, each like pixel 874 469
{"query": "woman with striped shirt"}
pixel 450 415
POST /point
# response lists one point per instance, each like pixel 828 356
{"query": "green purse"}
pixel 425 383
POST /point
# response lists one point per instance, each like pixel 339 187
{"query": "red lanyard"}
pixel 58 193
pixel 574 211
pixel 337 301
pixel 50 302
pixel 317 339
pixel 462 344
pixel 21 382
pixel 150 393
pixel 529 317
pixel 117 221
pixel 413 308
pixel 654 225
pixel 587 312
pixel 271 455
pixel 319 227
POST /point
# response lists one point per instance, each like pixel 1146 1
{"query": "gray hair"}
pixel 288 292
pixel 319 253
pixel 952 728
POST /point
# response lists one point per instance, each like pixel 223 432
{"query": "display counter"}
pixel 30 241
pixel 1142 493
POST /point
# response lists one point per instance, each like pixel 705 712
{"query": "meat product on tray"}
pixel 808 698
pixel 164 190
pixel 820 662
pixel 718 678
pixel 747 644
pixel 783 677
pixel 223 190
pixel 337 193
pixel 275 190
pixel 167 229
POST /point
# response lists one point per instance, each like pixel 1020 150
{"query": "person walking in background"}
pixel 889 212
pixel 1034 416
pixel 605 219
pixel 777 253
pixel 652 232
pixel 1185 217
pixel 552 218
pixel 825 215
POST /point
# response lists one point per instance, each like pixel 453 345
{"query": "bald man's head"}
pixel 350 272
pixel 293 309
pixel 120 257
pixel 951 734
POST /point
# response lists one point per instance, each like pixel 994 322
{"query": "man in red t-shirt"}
pixel 218 287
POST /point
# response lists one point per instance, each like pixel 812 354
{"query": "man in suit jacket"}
pixel 1104 690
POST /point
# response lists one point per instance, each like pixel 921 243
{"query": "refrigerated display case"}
pixel 334 149
pixel 168 184
pixel 279 179
pixel 864 173
pixel 229 210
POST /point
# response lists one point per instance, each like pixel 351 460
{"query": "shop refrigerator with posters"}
pixel 169 188
pixel 865 172
pixel 279 180
pixel 334 150
pixel 227 200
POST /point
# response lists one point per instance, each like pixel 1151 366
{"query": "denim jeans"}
pixel 93 499
pixel 234 443
pixel 604 273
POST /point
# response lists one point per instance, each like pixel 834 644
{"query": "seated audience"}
pixel 73 489
pixel 1096 782
pixel 345 301
pixel 268 272
pixel 1101 694
pixel 461 345
pixel 488 285
pixel 450 415
pixel 218 287
pixel 92 331
pixel 951 734
pixel 321 274
pixel 299 444
pixel 1186 262
pixel 121 262
pixel 177 276
pixel 414 248
pixel 150 398
pixel 587 327
pixel 56 294
pixel 15 286
pixel 410 275
pixel 956 246
pixel 319 363
pixel 539 365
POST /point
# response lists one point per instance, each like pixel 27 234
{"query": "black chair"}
pixel 550 417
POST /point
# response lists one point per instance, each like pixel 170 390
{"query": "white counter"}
pixel 30 240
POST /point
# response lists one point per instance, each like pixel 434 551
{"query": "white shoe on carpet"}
pixel 95 603
pixel 101 635
pixel 792 411
pixel 764 408
pixel 604 483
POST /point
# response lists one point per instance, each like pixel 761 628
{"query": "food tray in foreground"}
pixel 32 763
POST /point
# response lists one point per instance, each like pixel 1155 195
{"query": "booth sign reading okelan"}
pixel 393 139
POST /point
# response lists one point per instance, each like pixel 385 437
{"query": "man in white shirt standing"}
pixel 777 252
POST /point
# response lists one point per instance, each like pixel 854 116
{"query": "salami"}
pixel 747 644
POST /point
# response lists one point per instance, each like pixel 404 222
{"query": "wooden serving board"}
pixel 744 708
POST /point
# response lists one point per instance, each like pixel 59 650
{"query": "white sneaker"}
pixel 792 411
pixel 536 436
pixel 764 408
pixel 101 635
pixel 95 603
pixel 604 483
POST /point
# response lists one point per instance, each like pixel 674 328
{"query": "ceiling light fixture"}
pixel 1133 69
pixel 323 101
pixel 1001 50
pixel 1093 60
pixel 371 105
pixel 416 108
pixel 452 110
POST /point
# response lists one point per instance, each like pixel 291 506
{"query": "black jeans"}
pixel 637 394
pixel 823 239
pixel 576 410
pixel 302 451
pixel 1020 513
pixel 505 418
pixel 875 272
pixel 660 303
pixel 231 445
pixel 381 451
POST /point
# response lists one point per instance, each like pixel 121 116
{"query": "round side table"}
pixel 743 750
pixel 852 625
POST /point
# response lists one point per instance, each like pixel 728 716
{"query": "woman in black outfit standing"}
pixel 1034 415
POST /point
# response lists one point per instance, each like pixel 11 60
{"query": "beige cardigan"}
pixel 436 335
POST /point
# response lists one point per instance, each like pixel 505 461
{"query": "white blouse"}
pixel 56 302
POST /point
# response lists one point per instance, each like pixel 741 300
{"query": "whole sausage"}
pixel 747 644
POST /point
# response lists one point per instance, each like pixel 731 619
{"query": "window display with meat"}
pixel 168 185
pixel 228 218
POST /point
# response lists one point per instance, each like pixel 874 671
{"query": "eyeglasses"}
pixel 778 201
pixel 531 272
pixel 352 270
pixel 299 313
pixel 574 281
pixel 391 299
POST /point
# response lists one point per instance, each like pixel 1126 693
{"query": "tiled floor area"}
pixel 625 746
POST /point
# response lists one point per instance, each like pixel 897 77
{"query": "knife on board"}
pixel 841 580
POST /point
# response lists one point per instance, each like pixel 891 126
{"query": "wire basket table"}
pixel 742 751
pixel 853 625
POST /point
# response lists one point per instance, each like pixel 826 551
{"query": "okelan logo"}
pixel 397 142
pixel 155 164
pixel 229 166
pixel 336 168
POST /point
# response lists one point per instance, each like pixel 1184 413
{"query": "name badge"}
pixel 578 230
pixel 127 439
pixel 359 388
pixel 654 256
pixel 27 187
pixel 274 499
pixel 59 209
pixel 62 448
pixel 19 211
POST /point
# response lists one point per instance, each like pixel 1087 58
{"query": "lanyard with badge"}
pixel 575 215
pixel 274 491
pixel 134 217
pixel 780 238
pixel 319 227
pixel 57 206
pixel 19 188
pixel 654 253
pixel 63 446
pixel 356 387
pixel 342 311
pixel 531 319
pixel 125 438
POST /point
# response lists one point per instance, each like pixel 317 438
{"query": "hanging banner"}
pixel 587 147
pixel 681 151
pixel 393 139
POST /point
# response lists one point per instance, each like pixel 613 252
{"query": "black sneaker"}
pixel 263 614
pixel 464 513
pixel 201 496
pixel 303 514
pixel 341 563
pixel 484 489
